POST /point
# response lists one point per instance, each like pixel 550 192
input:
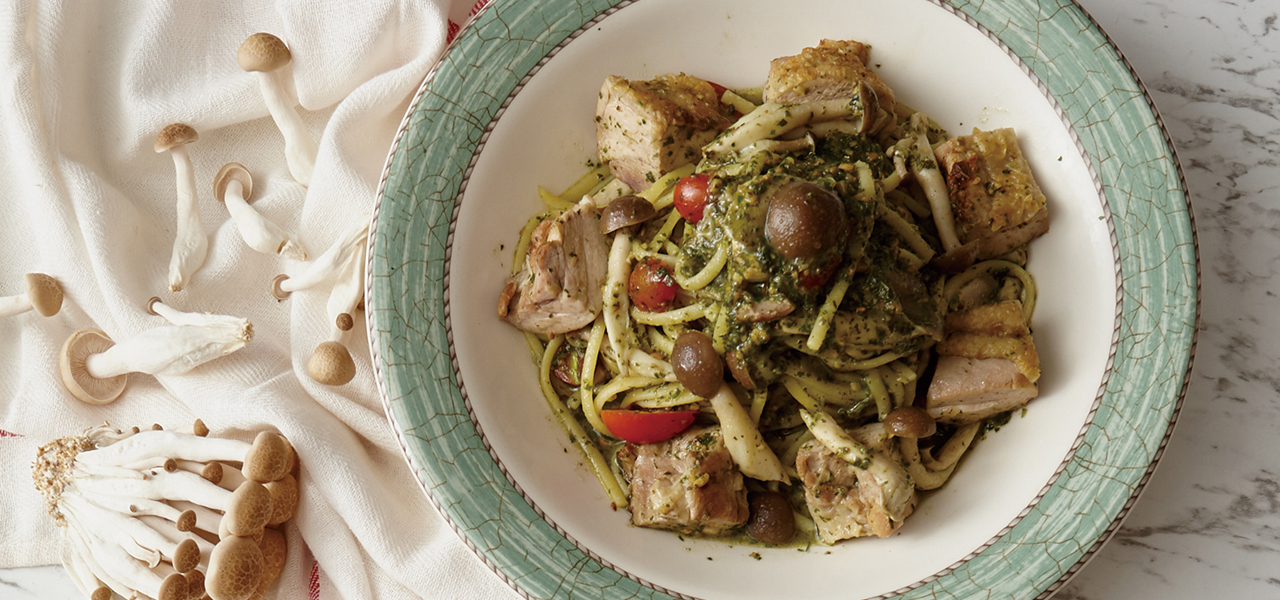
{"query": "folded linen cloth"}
pixel 86 86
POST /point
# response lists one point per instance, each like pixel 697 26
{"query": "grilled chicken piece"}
pixel 966 390
pixel 688 484
pixel 996 202
pixel 830 71
pixel 846 501
pixel 645 129
pixel 987 364
pixel 996 330
pixel 559 288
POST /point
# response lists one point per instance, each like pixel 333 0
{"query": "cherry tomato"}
pixel 691 196
pixel 651 286
pixel 640 427
pixel 820 276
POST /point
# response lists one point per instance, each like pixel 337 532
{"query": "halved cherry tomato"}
pixel 820 276
pixel 652 287
pixel 691 196
pixel 641 427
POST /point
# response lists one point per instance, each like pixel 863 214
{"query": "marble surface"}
pixel 1208 523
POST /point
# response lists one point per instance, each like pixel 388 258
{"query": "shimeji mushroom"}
pixel 94 368
pixel 331 363
pixel 127 502
pixel 264 54
pixel 44 294
pixel 190 245
pixel 233 186
pixel 324 266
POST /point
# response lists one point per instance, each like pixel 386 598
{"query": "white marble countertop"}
pixel 1208 523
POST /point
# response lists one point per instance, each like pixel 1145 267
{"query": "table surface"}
pixel 1208 523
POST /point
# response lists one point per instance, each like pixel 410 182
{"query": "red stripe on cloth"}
pixel 313 585
pixel 479 6
pixel 453 31
pixel 5 434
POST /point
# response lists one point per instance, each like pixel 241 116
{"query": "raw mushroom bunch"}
pixel 167 515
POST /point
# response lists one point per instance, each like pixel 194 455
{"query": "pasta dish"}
pixel 782 311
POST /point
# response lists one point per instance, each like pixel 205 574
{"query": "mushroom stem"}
pixel 180 446
pixel 325 265
pixel 14 305
pixel 300 148
pixel 170 350
pixel 80 546
pixel 348 288
pixel 232 186
pixel 139 539
pixel 131 575
pixel 44 294
pixel 177 317
pixel 178 485
pixel 190 245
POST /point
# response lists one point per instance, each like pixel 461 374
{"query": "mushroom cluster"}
pixel 343 263
pixel 168 515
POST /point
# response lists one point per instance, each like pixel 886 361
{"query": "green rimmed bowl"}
pixel 510 107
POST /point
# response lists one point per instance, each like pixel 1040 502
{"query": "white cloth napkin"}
pixel 86 86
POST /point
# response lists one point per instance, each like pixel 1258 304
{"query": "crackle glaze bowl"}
pixel 510 106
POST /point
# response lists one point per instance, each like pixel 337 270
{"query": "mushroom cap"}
pixel 344 322
pixel 174 587
pixel 101 593
pixel 284 499
pixel 248 510
pixel 269 458
pixel 274 552
pixel 277 292
pixel 228 173
pixel 186 521
pixel 45 294
pixel 263 52
pixel 331 364
pixel 199 429
pixel 75 375
pixel 195 583
pixel 175 134
pixel 235 569
pixel 212 472
pixel 186 556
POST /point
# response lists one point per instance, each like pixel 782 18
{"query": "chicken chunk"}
pixel 967 390
pixel 846 501
pixel 646 129
pixel 688 484
pixel 996 202
pixel 559 288
pixel 830 71
pixel 987 364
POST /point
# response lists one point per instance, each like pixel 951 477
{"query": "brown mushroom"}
pixel 235 569
pixel 625 211
pixel 284 499
pixel 331 364
pixel 190 244
pixel 72 364
pixel 43 293
pixel 264 55
pixel 270 458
